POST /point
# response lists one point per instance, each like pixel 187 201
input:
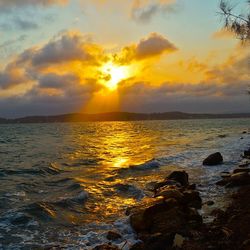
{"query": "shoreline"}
pixel 171 219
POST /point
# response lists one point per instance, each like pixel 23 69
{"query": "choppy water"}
pixel 65 185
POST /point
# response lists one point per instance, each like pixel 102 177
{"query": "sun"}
pixel 114 74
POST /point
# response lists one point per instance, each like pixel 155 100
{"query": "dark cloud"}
pixel 68 47
pixel 202 97
pixel 12 76
pixel 143 10
pixel 56 81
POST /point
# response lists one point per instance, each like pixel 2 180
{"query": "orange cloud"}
pixel 152 46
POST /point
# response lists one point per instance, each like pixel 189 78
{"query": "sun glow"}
pixel 114 74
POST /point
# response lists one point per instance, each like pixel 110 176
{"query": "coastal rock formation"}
pixel 213 159
pixel 172 211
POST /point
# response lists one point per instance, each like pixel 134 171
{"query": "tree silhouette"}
pixel 239 24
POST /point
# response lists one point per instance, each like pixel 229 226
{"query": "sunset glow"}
pixel 114 74
pixel 97 56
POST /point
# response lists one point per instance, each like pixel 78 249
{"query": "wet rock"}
pixel 179 176
pixel 191 187
pixel 224 181
pixel 193 217
pixel 158 241
pixel 225 174
pixel 155 217
pixel 247 154
pixel 239 179
pixel 244 164
pixel 112 235
pixel 168 193
pixel 106 247
pixel 241 170
pixel 209 203
pixel 192 198
pixel 138 246
pixel 222 136
pixel 213 159
pixel 153 186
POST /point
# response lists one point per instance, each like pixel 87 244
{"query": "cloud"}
pixel 11 42
pixel 19 3
pixel 17 23
pixel 152 46
pixel 186 97
pixel 12 76
pixel 69 47
pixel 144 10
pixel 55 81
pixel 64 74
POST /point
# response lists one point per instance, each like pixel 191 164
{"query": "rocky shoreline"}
pixel 170 219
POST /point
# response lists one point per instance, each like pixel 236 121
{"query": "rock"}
pixel 217 212
pixel 179 176
pixel 225 174
pixel 138 246
pixel 241 170
pixel 244 132
pixel 222 136
pixel 153 186
pixel 168 193
pixel 178 241
pixel 158 241
pixel 210 203
pixel 246 154
pixel 192 199
pixel 191 187
pixel 238 179
pixel 194 218
pixel 112 235
pixel 224 181
pixel 213 159
pixel 245 245
pixel 244 164
pixel 106 247
pixel 163 217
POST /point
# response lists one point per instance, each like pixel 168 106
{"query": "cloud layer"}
pixel 65 73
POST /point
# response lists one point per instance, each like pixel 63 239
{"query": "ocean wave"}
pixel 43 211
pixel 69 200
pixel 42 170
pixel 129 190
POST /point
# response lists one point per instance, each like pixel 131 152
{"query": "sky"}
pixel 64 56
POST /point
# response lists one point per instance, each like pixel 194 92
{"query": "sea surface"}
pixel 66 185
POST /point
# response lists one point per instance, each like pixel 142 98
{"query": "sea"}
pixel 65 185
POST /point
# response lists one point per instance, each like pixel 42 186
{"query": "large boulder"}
pixel 179 176
pixel 144 218
pixel 213 159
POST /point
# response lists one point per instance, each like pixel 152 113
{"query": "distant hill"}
pixel 120 116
